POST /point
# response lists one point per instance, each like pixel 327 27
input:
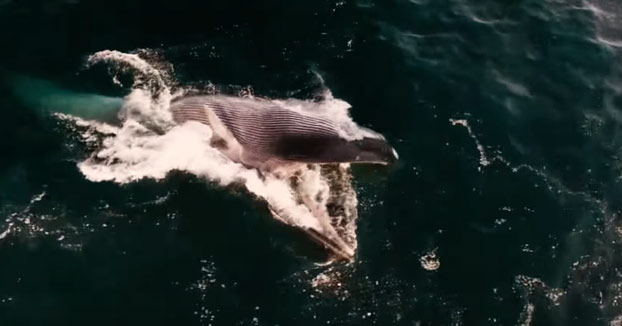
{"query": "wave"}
pixel 607 16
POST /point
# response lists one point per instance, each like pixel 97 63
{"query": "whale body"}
pixel 263 134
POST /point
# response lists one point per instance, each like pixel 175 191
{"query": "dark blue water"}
pixel 506 117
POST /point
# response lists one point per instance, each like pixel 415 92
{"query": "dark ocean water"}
pixel 506 116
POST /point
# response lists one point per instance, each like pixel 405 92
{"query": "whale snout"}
pixel 375 150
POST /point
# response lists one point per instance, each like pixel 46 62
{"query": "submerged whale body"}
pixel 264 134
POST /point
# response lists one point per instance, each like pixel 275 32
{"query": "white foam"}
pixel 336 110
pixel 135 153
pixel 430 261
pixel 149 74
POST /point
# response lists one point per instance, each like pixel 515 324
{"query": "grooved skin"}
pixel 267 131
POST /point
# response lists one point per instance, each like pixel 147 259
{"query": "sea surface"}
pixel 504 208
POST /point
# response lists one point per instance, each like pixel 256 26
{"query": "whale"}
pixel 266 134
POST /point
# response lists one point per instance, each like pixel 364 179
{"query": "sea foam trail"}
pixel 148 144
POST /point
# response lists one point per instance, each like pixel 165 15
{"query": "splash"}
pixel 148 144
